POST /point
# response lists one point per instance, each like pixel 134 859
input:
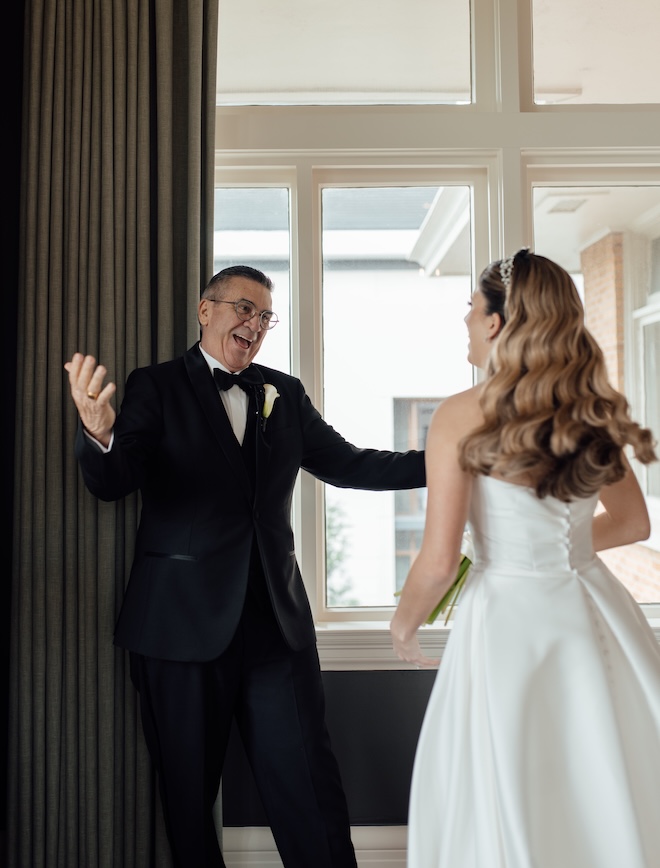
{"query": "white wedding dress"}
pixel 540 747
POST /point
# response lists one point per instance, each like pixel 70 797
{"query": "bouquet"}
pixel 450 598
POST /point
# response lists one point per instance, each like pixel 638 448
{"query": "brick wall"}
pixel 637 566
pixel 602 269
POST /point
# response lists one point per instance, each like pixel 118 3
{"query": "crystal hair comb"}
pixel 506 267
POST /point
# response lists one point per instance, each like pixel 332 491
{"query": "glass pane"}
pixel 374 51
pixel 596 51
pixel 603 237
pixel 655 267
pixel 652 398
pixel 251 227
pixel 396 282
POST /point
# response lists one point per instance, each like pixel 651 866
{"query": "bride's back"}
pixel 516 531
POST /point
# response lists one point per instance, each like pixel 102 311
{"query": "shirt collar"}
pixel 214 363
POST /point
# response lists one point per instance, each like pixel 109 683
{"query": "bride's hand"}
pixel 410 651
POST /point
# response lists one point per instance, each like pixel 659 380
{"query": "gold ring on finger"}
pixel 93 395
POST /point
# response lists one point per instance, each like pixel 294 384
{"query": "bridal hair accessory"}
pixel 506 267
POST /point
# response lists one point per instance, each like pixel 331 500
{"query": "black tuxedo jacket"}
pixel 200 512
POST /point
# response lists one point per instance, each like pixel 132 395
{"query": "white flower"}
pixel 270 396
pixel 467 548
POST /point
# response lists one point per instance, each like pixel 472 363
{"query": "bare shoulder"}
pixel 457 415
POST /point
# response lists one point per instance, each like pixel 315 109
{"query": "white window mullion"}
pixel 513 58
pixel 309 524
pixel 486 91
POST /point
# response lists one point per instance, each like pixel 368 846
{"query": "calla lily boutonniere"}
pixel 270 396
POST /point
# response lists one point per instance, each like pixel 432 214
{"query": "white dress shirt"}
pixel 235 400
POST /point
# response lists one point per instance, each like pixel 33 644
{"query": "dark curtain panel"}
pixel 11 41
pixel 115 243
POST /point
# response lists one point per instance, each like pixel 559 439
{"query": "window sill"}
pixel 366 645
pixel 355 645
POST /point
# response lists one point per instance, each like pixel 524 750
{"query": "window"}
pixel 251 227
pixel 412 417
pixel 396 282
pixel 525 162
pixel 596 52
pixel 604 235
pixel 374 51
pixel 647 341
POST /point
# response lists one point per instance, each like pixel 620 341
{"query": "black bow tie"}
pixel 247 379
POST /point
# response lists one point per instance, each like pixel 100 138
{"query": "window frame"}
pixel 502 134
pixel 649 314
pixel 307 340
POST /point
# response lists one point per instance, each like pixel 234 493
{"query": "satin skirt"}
pixel 540 746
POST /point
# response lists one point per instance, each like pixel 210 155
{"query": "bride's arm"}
pixel 625 518
pixel 449 490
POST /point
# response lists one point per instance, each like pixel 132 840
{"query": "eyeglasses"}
pixel 245 311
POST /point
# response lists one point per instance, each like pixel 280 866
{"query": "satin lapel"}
pixel 263 444
pixel 206 392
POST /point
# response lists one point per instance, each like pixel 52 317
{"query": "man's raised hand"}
pixel 91 397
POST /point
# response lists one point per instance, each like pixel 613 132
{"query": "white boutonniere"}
pixel 270 396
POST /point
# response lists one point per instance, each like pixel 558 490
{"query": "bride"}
pixel 540 746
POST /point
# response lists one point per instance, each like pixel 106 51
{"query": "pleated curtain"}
pixel 115 244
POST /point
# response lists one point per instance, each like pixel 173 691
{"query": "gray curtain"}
pixel 115 244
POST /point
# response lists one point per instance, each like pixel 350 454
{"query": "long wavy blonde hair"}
pixel 551 417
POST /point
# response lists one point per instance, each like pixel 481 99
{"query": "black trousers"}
pixel 276 697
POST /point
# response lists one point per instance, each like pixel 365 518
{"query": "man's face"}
pixel 226 337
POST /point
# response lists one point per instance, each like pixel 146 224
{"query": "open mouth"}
pixel 243 342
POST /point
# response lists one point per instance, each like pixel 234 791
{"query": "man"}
pixel 215 615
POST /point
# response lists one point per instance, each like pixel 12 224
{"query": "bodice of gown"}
pixel 515 531
pixel 540 746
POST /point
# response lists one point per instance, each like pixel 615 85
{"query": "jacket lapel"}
pixel 263 444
